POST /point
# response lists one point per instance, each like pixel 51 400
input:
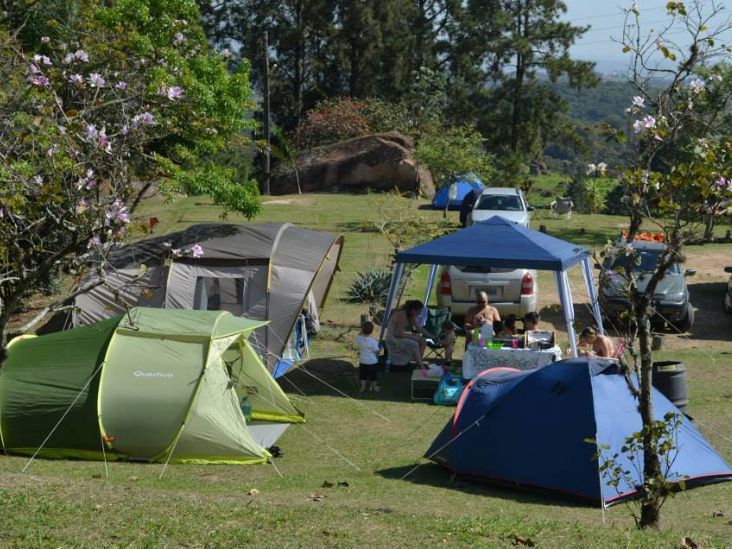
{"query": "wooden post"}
pixel 266 115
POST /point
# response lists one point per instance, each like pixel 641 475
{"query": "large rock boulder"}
pixel 381 161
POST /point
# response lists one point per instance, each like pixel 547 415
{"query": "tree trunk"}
pixel 522 29
pixel 709 226
pixel 299 72
pixel 651 506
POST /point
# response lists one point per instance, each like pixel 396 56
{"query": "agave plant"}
pixel 371 286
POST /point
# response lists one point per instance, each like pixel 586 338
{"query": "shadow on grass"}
pixel 711 322
pixel 580 235
pixel 431 474
pixel 339 378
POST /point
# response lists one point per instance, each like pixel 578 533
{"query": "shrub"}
pixel 333 120
pixel 370 287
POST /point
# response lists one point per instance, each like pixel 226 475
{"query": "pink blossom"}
pixel 76 79
pixel 697 85
pixel 647 123
pixel 175 93
pixel 103 141
pixel 143 119
pixel 178 39
pixel 38 180
pixel 69 58
pixel 42 59
pixel 2 212
pixel 53 149
pixel 92 132
pixel 723 183
pixel 121 85
pixel 639 102
pixel 96 80
pixel 81 55
pixel 81 206
pixel 123 216
pixel 124 130
pixel 197 250
pixel 36 77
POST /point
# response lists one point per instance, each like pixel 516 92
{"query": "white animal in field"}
pixel 562 206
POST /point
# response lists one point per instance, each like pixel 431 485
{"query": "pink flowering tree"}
pixel 683 164
pixel 96 107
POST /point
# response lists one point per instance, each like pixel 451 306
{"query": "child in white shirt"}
pixel 368 348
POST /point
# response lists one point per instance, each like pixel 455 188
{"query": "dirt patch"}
pixel 707 287
pixel 297 200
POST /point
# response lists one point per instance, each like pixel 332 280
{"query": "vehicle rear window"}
pixel 648 261
pixel 508 203
pixel 477 269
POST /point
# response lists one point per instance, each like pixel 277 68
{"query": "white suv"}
pixel 511 291
pixel 506 202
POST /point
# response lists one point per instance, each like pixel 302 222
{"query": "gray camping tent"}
pixel 270 271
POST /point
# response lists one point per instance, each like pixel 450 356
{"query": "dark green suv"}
pixel 671 298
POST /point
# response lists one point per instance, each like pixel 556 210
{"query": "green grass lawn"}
pixel 369 443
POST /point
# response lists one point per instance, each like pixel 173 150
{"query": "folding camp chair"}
pixel 620 347
pixel 435 319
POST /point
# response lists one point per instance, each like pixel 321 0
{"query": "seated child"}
pixel 447 339
pixel 368 362
pixel 509 327
pixel 531 321
pixel 499 326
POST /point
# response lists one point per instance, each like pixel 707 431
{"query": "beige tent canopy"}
pixel 270 271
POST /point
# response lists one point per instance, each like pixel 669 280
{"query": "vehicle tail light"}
pixel 445 284
pixel 527 284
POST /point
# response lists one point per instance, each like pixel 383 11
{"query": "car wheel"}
pixel 687 322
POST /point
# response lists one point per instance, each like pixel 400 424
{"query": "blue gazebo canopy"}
pixel 497 242
pixel 500 243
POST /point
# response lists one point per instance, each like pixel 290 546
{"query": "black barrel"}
pixel 670 378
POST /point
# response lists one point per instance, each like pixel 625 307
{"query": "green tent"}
pixel 151 385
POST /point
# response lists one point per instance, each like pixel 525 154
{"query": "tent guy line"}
pixel 66 413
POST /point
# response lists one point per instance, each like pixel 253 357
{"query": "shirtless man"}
pixel 479 314
pixel 602 346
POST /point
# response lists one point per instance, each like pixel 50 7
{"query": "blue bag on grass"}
pixel 449 391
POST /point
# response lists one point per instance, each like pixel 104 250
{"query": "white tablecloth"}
pixel 477 359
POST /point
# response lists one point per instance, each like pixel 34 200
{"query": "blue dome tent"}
pixel 530 429
pixel 442 199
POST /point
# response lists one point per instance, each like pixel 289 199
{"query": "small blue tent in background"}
pixel 464 186
pixel 529 428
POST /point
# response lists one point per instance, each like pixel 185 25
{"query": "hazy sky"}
pixel 606 19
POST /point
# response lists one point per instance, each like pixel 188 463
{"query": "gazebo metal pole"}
pixel 396 276
pixel 430 282
pixel 565 298
pixel 590 283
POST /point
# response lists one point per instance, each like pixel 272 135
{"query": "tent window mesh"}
pixel 219 294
